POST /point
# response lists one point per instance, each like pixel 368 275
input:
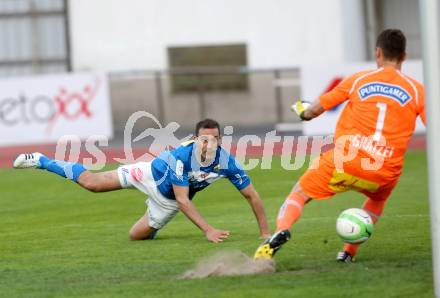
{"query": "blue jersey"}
pixel 180 167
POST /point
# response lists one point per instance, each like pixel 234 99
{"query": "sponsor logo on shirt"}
pixel 200 176
pixel 394 92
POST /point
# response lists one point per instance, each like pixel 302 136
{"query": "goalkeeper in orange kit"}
pixel 371 138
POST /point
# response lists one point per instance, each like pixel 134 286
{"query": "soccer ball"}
pixel 354 225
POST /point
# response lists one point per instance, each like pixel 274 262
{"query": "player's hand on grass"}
pixel 299 108
pixel 216 236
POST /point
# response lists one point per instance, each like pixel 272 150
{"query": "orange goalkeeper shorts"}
pixel 322 180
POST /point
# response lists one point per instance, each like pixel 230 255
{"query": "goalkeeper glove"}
pixel 299 108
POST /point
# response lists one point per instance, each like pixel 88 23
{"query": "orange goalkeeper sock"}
pixel 290 211
pixel 374 208
pixel 351 248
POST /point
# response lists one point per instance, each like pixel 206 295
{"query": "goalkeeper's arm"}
pixel 307 111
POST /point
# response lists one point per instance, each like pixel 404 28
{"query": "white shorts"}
pixel 160 209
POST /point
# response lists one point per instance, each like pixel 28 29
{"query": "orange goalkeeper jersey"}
pixel 380 115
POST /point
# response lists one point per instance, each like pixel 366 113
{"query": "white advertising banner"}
pixel 318 79
pixel 42 109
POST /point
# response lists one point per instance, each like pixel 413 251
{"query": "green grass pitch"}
pixel 58 240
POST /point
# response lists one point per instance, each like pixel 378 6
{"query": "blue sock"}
pixel 70 170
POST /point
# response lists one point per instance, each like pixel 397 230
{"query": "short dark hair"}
pixel 393 44
pixel 207 123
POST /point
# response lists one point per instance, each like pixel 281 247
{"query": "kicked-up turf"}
pixel 58 240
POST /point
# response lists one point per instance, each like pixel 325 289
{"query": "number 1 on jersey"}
pixel 380 120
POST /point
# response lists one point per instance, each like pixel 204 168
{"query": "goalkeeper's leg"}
pixel 292 208
pixel 312 185
pixel 374 205
pixel 375 208
pixel 288 214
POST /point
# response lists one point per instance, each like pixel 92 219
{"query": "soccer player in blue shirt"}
pixel 171 180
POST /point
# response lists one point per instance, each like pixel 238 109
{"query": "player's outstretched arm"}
pixel 307 111
pixel 188 208
pixel 253 198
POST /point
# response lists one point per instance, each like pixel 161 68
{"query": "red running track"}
pixel 8 154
